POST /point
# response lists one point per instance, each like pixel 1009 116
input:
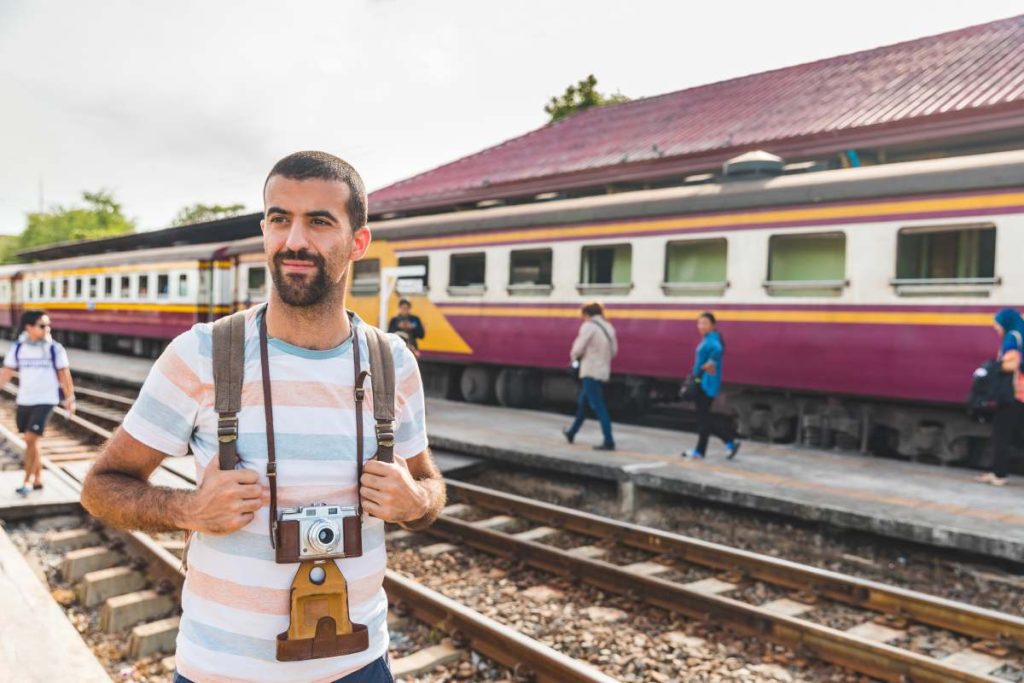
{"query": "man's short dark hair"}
pixel 405 302
pixel 592 308
pixel 314 165
pixel 31 317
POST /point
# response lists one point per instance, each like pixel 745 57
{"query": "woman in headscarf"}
pixel 707 370
pixel 1008 422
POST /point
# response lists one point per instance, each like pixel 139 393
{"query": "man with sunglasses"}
pixel 43 372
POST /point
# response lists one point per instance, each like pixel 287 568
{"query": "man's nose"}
pixel 297 237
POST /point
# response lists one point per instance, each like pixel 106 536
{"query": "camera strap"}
pixel 228 374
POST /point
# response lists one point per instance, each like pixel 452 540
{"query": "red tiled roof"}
pixel 963 81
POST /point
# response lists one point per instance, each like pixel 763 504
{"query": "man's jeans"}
pixel 592 394
pixel 375 672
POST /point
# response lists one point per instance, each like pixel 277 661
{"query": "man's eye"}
pixel 277 219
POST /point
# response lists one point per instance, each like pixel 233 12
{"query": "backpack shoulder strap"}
pixel 17 351
pixel 382 378
pixel 53 355
pixel 228 371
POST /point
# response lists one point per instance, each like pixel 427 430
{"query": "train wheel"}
pixel 477 384
pixel 517 388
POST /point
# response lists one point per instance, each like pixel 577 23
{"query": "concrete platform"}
pixel 929 504
pixel 34 628
pixel 55 498
pixel 924 503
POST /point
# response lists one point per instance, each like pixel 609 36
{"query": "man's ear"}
pixel 361 242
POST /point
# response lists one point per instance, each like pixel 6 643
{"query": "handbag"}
pixel 691 388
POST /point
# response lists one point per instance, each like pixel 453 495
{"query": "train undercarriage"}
pixel 919 433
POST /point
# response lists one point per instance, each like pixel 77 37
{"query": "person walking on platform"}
pixel 409 325
pixel 1008 421
pixel 287 558
pixel 593 350
pixel 707 372
pixel 43 375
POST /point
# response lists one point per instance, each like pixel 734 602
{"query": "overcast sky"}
pixel 170 103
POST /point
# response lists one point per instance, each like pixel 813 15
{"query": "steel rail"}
pixel 909 604
pixel 488 637
pixel 882 661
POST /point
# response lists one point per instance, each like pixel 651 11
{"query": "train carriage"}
pixel 126 301
pixel 855 303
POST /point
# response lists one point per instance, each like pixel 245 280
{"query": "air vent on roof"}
pixel 756 164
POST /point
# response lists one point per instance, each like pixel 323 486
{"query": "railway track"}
pixel 707 577
pixel 134 579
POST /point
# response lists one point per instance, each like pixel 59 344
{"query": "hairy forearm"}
pixel 127 503
pixel 438 496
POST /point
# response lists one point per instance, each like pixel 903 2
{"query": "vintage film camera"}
pixel 318 532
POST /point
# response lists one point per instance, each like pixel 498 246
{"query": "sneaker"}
pixel 605 447
pixel 733 447
pixel 23 491
pixel 569 436
pixel 37 487
pixel 693 454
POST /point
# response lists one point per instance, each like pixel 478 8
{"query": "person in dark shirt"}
pixel 408 323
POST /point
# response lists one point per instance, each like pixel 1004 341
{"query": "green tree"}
pixel 200 213
pixel 578 97
pixel 8 247
pixel 100 217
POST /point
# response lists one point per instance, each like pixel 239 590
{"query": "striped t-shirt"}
pixel 236 597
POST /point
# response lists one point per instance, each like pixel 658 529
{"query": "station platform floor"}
pixel 34 629
pixel 929 504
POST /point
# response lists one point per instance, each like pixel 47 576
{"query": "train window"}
pixel 935 257
pixel 78 287
pixel 65 288
pixel 125 290
pixel 40 289
pixel 418 261
pixel 529 272
pixel 108 287
pixel 606 269
pixel 366 276
pixel 53 289
pixel 143 292
pixel 183 285
pixel 93 287
pixel 695 267
pixel 163 286
pixel 466 273
pixel 256 284
pixel 807 265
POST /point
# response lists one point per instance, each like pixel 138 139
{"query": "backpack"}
pixel 228 375
pixel 991 387
pixel 53 361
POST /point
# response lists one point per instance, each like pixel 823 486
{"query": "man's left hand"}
pixel 390 493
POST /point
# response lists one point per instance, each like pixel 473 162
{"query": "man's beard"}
pixel 295 290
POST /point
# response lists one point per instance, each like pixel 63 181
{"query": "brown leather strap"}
pixel 360 378
pixel 228 371
pixel 382 365
pixel 268 412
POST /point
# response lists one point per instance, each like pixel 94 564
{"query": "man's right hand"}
pixel 225 501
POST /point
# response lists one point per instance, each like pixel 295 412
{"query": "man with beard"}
pixel 236 597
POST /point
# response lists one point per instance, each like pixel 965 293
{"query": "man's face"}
pixel 40 329
pixel 308 238
pixel 404 309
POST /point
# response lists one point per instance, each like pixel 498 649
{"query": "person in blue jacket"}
pixel 707 369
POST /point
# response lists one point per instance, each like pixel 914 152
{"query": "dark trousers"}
pixel 707 425
pixel 1007 430
pixel 592 394
pixel 376 671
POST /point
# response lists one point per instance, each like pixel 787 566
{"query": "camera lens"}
pixel 322 536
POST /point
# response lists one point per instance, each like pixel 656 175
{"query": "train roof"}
pixel 188 252
pixel 957 85
pixel 983 171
